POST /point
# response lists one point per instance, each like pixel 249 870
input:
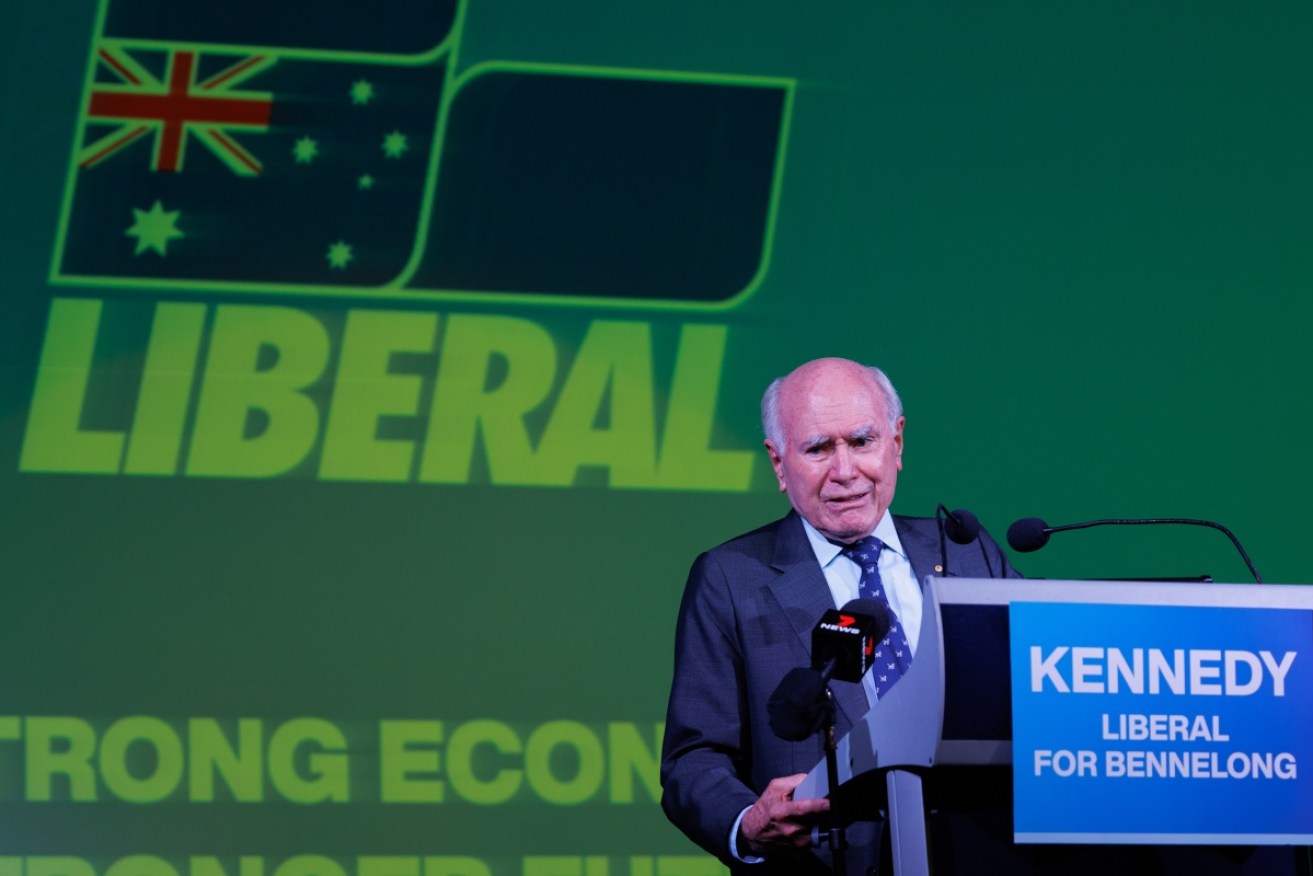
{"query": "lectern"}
pixel 1146 713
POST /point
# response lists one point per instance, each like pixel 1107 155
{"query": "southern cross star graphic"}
pixel 339 254
pixel 305 150
pixel 394 144
pixel 362 92
pixel 154 228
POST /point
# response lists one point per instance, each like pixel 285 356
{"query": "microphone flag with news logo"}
pixel 843 644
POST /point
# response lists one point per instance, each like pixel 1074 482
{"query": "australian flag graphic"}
pixel 273 145
pixel 254 146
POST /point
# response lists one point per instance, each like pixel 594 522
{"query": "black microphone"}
pixel 844 640
pixel 1031 533
pixel 1028 534
pixel 961 525
pixel 842 644
pixel 797 707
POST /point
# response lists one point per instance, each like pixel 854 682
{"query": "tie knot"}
pixel 865 551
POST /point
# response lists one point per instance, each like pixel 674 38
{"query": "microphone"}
pixel 961 526
pixel 1028 534
pixel 844 640
pixel 1031 533
pixel 842 644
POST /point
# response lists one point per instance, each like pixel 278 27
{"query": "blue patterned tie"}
pixel 893 655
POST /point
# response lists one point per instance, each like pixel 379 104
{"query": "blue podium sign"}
pixel 1162 724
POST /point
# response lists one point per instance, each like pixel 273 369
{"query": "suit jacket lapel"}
pixel 922 545
pixel 804 595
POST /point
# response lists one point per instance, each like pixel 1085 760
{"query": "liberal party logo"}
pixel 285 148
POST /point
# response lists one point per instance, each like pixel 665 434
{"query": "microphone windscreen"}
pixel 874 609
pixel 797 707
pixel 962 526
pixel 1028 534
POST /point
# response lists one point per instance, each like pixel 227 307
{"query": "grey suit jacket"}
pixel 746 619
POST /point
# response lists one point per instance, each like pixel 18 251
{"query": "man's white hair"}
pixel 770 403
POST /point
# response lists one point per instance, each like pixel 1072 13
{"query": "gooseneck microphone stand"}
pixel 838 840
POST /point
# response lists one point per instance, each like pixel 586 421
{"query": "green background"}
pixel 1077 236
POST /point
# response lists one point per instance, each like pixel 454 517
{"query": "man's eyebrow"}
pixel 814 441
pixel 870 430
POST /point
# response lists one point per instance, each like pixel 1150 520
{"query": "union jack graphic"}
pixel 176 106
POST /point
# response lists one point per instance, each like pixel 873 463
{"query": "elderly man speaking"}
pixel 834 434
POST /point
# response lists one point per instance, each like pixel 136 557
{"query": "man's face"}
pixel 839 461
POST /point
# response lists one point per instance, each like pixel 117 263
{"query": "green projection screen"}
pixel 372 373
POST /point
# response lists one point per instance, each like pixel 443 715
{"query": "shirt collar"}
pixel 827 550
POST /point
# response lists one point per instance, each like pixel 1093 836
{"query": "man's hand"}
pixel 776 820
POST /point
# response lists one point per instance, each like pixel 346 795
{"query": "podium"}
pixel 954 707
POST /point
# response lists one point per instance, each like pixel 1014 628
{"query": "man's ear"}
pixel 776 463
pixel 898 442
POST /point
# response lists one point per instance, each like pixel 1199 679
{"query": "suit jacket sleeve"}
pixel 706 754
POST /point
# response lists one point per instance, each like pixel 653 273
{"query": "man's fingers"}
pixel 777 819
pixel 811 805
pixel 783 786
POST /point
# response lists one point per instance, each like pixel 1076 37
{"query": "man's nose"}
pixel 841 464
